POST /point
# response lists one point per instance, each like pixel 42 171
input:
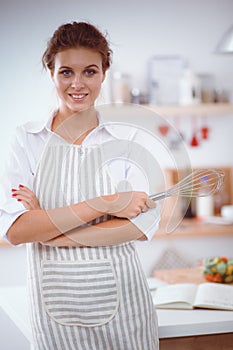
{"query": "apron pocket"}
pixel 80 293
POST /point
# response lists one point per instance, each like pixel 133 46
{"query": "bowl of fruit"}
pixel 218 269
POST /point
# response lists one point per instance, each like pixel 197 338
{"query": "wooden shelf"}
pixel 190 228
pixel 203 109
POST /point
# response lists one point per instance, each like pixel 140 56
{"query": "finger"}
pixel 28 202
pixel 25 190
pixel 150 203
pixel 26 205
pixel 144 209
pixel 26 195
pixel 22 191
pixel 19 195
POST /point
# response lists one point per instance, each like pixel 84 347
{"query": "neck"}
pixel 76 127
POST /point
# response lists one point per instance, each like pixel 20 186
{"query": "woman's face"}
pixel 77 77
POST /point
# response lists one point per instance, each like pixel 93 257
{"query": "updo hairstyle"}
pixel 73 35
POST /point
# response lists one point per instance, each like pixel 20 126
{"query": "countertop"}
pixel 171 323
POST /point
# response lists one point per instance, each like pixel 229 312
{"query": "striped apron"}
pixel 85 298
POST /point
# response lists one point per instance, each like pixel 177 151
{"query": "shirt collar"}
pixel 36 127
pixel 116 129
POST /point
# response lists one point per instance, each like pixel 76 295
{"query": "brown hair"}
pixel 77 34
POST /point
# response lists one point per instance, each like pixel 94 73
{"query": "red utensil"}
pixel 204 130
pixel 163 129
pixel 194 140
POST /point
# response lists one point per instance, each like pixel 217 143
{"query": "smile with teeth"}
pixel 78 96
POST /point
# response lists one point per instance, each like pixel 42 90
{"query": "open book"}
pixel 190 296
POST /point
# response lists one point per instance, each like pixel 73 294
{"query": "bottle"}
pixel 189 86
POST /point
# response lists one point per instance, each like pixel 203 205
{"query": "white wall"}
pixel 137 30
pixel 216 151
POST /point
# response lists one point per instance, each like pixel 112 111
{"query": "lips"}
pixel 78 97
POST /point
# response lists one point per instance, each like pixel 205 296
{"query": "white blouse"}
pixel 126 161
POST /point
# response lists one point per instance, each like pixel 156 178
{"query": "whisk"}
pixel 199 183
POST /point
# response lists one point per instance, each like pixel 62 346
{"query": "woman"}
pixel 87 289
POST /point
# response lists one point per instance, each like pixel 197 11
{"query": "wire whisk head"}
pixel 200 183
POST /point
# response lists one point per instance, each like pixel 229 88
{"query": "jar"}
pixel 204 206
pixel 121 88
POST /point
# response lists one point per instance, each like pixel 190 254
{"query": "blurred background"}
pixel 143 35
pixel 164 57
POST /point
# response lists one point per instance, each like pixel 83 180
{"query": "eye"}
pixel 66 72
pixel 90 72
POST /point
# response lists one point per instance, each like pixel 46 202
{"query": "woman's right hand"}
pixel 128 204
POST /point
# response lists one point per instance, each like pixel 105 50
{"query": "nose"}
pixel 77 82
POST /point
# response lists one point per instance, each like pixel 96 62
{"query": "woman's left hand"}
pixel 27 197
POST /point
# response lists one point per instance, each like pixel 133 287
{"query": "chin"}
pixel 82 108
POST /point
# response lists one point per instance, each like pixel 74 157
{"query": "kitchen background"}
pixel 138 31
pixel 184 30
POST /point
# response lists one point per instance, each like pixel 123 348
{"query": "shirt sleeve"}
pixel 147 222
pixel 16 171
pixel 130 175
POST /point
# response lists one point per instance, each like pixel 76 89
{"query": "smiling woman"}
pixel 77 57
pixel 87 288
pixel 77 76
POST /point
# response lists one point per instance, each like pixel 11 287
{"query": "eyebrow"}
pixel 89 66
pixel 92 65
